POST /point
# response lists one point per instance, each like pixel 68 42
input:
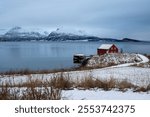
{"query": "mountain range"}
pixel 20 34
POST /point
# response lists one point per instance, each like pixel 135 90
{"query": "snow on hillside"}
pixel 103 95
pixel 113 59
pixel 135 75
pixel 144 58
pixel 25 32
pixel 3 31
pixel 70 31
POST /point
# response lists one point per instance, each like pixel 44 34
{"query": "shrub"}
pixel 148 87
pixel 30 91
pixel 87 83
pixel 44 93
pixel 61 82
pixel 106 84
pixel 123 85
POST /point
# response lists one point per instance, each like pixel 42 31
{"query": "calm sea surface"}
pixel 53 55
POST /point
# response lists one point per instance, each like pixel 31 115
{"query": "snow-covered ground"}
pixel 103 95
pixel 144 59
pixel 135 75
pixel 121 59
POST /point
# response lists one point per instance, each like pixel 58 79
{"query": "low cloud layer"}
pixel 104 18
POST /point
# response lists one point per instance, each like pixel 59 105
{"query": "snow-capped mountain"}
pixel 55 36
pixel 19 33
pixel 23 34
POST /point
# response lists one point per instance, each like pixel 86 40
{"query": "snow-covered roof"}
pixel 78 54
pixel 105 46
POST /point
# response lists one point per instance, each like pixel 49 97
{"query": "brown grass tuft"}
pixel 61 82
pixel 124 85
pixel 51 89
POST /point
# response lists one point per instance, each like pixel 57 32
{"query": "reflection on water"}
pixel 52 55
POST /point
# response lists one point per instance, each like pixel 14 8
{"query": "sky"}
pixel 103 18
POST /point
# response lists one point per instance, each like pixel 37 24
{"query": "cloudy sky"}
pixel 103 18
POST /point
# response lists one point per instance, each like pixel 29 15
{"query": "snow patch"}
pixel 144 58
pixel 103 95
pixel 115 58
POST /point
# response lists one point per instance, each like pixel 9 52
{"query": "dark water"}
pixel 53 55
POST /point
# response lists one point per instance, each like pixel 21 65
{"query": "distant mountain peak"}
pixel 70 31
pixel 16 28
pixel 18 33
pixel 128 39
pixel 22 33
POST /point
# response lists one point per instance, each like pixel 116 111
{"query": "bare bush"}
pixel 86 83
pixel 148 87
pixel 109 84
pixel 51 89
pixel 143 89
pixel 44 93
pixel 6 93
pixel 124 85
pixel 29 92
pixel 61 82
pixel 89 82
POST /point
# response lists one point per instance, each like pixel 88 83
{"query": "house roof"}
pixel 79 55
pixel 105 46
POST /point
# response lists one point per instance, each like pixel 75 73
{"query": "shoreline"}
pixel 79 68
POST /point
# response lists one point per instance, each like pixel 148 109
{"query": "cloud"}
pixel 115 18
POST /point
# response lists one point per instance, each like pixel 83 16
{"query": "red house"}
pixel 107 48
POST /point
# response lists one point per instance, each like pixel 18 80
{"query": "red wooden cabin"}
pixel 107 48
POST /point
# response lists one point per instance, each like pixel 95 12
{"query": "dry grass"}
pixel 109 84
pixel 142 89
pixel 142 65
pixel 61 82
pixel 30 90
pixel 30 93
pixel 124 85
pixel 148 87
pixel 44 93
pixel 90 82
pixel 86 83
pixel 35 89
